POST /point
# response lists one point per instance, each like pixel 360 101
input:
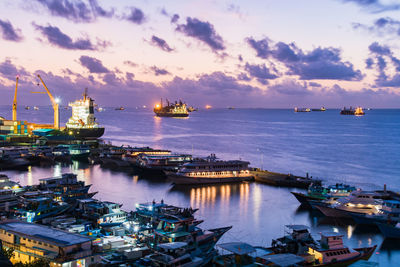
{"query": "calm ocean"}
pixel 363 151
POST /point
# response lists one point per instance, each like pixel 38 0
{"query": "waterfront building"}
pixel 32 242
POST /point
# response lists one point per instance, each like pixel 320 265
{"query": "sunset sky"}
pixel 267 53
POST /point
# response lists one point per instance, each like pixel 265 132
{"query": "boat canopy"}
pixel 285 259
pixel 238 248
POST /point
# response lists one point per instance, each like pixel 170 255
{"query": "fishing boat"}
pixel 101 213
pixel 358 111
pixel 120 108
pixel 280 179
pixel 388 214
pixel 211 170
pixel 35 108
pixel 13 158
pixel 7 184
pixel 78 151
pixel 37 208
pixel 317 192
pixel 66 188
pixel 82 124
pixel 8 199
pixel 329 251
pixel 176 254
pixel 177 109
pixel 358 202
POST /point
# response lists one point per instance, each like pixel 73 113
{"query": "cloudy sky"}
pixel 245 53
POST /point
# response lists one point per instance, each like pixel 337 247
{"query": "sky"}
pixel 256 54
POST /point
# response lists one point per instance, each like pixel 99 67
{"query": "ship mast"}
pixel 14 106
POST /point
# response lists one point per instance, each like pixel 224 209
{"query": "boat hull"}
pixel 171 115
pixel 85 133
pixel 184 180
pixel 365 254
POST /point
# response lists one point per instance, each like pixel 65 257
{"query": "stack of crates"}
pixel 9 127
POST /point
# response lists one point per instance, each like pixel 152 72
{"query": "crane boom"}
pixel 55 105
pixel 14 106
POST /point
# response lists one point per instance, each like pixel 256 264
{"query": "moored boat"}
pixel 280 179
pixel 389 230
pixel 211 170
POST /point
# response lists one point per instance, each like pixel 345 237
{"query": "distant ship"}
pixel 208 107
pixel 296 109
pixel 83 124
pixel 319 109
pixel 120 108
pixel 35 108
pixel 191 109
pixel 177 109
pixel 27 107
pixel 358 111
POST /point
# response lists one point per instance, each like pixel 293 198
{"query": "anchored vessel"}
pixel 296 109
pixel 358 111
pixel 319 109
pixel 83 124
pixel 177 109
pixel 211 170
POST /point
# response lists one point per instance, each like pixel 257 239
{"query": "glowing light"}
pixel 208 106
pixel 58 100
pixel 157 106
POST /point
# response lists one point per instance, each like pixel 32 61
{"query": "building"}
pixel 32 241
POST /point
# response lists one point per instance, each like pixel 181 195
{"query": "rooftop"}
pixel 44 233
pixel 297 227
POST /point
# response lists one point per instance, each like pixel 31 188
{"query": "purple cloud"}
pixel 10 71
pixel 57 38
pixel 76 10
pixel 161 43
pixel 381 56
pixel 136 16
pixel 260 72
pixel 175 18
pixel 381 26
pixel 9 33
pixel 202 31
pixel 93 64
pixel 158 71
pixel 375 6
pixel 320 63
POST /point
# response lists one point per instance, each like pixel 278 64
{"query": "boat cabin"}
pixel 331 249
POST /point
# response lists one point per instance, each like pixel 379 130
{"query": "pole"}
pixel 14 107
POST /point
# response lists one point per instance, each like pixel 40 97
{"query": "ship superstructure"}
pixel 82 123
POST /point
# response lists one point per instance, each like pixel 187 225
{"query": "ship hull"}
pixel 171 115
pixel 85 133
pixel 184 180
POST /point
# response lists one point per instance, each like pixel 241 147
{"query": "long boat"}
pixel 211 171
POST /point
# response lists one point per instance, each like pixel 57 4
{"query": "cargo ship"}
pixel 177 109
pixel 319 109
pixel 358 111
pixel 82 124
pixel 296 109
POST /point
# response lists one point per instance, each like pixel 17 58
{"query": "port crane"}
pixel 54 103
pixel 14 106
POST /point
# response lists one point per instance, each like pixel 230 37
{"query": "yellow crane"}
pixel 14 107
pixel 55 105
